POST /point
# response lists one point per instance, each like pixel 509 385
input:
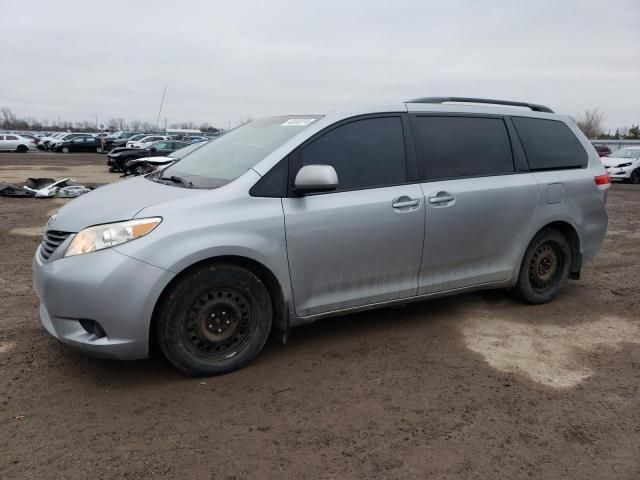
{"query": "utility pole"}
pixel 161 103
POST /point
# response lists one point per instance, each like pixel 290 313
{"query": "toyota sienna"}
pixel 289 219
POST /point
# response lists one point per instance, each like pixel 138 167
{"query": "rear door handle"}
pixel 406 203
pixel 441 197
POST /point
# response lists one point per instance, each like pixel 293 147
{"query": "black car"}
pixel 121 142
pixel 110 142
pixel 119 156
pixel 78 144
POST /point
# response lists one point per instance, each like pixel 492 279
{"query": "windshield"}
pixel 179 154
pixel 626 153
pixel 225 159
pixel 136 137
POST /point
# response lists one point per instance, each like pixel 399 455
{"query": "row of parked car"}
pixel 67 142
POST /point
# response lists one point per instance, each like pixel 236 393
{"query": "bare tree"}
pixel 9 118
pixel 147 127
pixel 135 125
pixel 591 122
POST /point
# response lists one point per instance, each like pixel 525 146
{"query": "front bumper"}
pixel 619 173
pixel 107 287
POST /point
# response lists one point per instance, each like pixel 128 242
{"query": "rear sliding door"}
pixel 479 201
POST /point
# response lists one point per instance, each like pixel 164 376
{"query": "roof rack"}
pixel 532 106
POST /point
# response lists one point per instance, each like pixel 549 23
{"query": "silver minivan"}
pixel 293 218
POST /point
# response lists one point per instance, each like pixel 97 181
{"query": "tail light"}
pixel 603 182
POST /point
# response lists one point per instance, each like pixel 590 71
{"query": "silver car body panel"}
pixel 498 210
pixel 380 247
pixel 330 253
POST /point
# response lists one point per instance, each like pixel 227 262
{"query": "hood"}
pixel 115 202
pixel 123 149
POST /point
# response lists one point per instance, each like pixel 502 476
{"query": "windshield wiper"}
pixel 175 179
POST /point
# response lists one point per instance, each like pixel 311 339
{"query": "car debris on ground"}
pixel 45 188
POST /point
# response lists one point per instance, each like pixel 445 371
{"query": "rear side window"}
pixel 460 147
pixel 549 144
pixel 365 153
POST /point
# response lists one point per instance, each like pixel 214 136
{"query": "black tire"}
pixel 22 149
pixel 545 267
pixel 635 176
pixel 215 320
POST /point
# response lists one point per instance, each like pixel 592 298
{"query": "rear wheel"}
pixel 635 176
pixel 22 149
pixel 215 320
pixel 545 267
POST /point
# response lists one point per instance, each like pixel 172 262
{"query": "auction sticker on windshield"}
pixel 298 122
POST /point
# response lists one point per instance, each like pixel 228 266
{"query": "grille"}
pixel 51 240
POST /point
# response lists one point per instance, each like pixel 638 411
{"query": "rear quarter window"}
pixel 549 144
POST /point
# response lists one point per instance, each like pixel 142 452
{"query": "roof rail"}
pixel 532 106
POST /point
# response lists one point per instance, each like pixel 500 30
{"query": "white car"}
pixel 624 164
pixel 16 143
pixel 146 141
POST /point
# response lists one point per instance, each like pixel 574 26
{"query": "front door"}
pixel 362 243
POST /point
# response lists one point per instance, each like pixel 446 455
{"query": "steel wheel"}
pixel 219 323
pixel 544 266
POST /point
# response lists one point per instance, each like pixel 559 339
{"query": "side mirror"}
pixel 316 178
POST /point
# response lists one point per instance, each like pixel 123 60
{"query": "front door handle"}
pixel 441 197
pixel 405 203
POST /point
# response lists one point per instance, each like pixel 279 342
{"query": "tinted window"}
pixel 365 153
pixel 549 144
pixel 459 147
pixel 273 184
pixel 11 137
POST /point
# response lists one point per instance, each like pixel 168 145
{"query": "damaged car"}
pixel 117 158
pixel 145 165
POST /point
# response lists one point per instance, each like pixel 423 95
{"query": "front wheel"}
pixel 545 267
pixel 65 150
pixel 635 176
pixel 215 320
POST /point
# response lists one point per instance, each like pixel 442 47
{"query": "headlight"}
pixel 628 164
pixel 109 235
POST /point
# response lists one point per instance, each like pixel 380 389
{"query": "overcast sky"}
pixel 226 61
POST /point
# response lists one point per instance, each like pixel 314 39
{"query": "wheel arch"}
pixel 572 236
pixel 266 276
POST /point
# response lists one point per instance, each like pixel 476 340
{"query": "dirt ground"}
pixel 474 386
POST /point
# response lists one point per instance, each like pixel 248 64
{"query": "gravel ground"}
pixel 473 386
